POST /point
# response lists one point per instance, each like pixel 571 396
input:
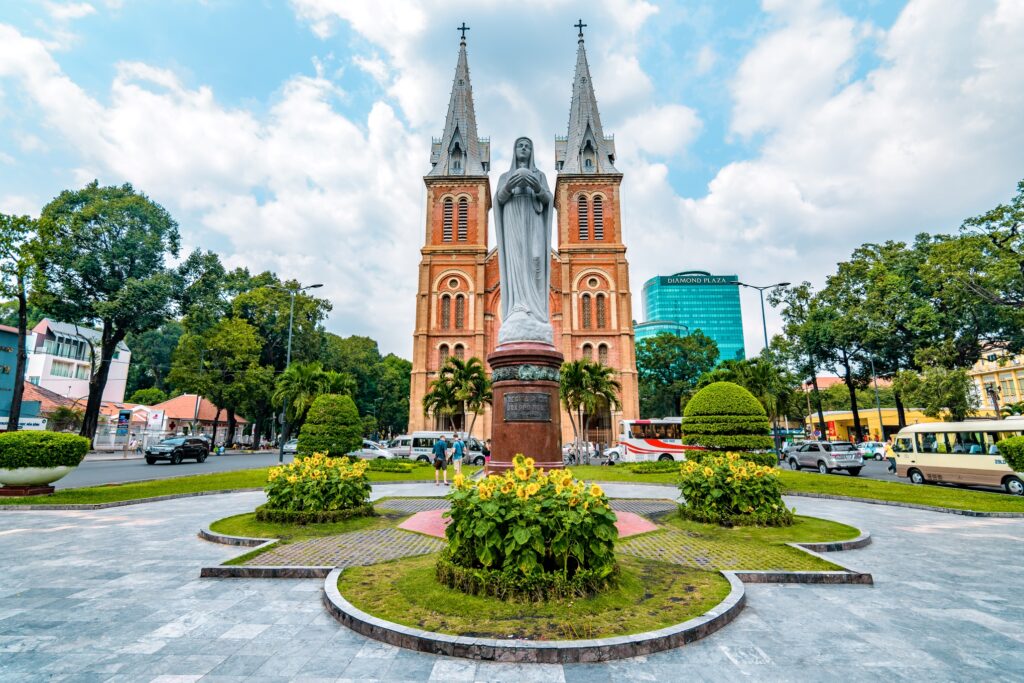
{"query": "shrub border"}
pixel 304 517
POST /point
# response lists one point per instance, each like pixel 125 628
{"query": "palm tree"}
pixel 587 386
pixel 470 385
pixel 441 400
pixel 1011 409
pixel 602 390
pixel 340 383
pixel 297 388
pixel 571 390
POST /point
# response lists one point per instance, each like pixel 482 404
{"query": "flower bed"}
pixel 316 488
pixel 728 490
pixel 529 535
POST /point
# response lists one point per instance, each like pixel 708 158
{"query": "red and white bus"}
pixel 657 439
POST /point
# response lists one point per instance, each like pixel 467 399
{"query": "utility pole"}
pixel 292 292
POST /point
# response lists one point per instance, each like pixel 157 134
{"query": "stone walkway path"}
pixel 349 550
pixel 115 595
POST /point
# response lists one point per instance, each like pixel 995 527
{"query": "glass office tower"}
pixel 695 300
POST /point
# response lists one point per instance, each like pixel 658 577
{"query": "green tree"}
pixel 587 387
pixel 939 392
pixel 100 258
pixel 9 313
pixel 601 393
pixel 148 397
pixel 15 267
pixel 804 343
pixel 332 426
pixel 392 402
pixel 724 416
pixel 669 366
pixel 442 401
pixel 152 351
pixel 360 358
pixel 469 384
pixel 767 378
pixel 296 389
pixel 64 419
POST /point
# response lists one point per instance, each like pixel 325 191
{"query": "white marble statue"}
pixel 522 221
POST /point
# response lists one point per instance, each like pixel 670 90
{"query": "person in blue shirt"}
pixel 440 451
pixel 458 449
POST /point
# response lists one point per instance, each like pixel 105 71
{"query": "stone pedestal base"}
pixel 25 490
pixel 526 413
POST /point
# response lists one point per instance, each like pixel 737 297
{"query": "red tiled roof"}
pixel 8 328
pixel 48 400
pixel 184 408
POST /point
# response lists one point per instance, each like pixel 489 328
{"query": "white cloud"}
pixel 706 60
pixel 68 11
pixel 663 131
pixel 18 205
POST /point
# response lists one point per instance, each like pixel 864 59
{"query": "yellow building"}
pixel 1002 373
pixel 839 423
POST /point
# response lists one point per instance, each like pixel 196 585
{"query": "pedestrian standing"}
pixel 487 453
pixel 440 452
pixel 458 450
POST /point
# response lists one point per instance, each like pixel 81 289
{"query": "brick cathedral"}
pixel 458 301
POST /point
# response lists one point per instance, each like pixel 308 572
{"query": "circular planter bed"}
pixel 33 476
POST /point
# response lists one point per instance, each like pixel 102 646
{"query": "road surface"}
pixel 95 472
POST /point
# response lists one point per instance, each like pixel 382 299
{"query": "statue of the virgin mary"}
pixel 522 222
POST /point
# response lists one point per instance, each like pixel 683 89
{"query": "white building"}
pixel 60 359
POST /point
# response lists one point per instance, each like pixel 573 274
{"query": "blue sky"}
pixel 766 139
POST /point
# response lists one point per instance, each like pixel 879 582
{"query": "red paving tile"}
pixel 431 523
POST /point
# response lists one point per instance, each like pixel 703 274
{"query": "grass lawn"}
pixel 749 548
pixel 621 473
pixel 248 525
pixel 241 479
pixel 940 496
pixel 651 595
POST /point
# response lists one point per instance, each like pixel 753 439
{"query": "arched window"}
pixel 588 352
pixel 446 228
pixel 460 312
pixel 442 355
pixel 460 351
pixel 584 217
pixel 602 312
pixel 446 312
pixel 463 219
pixel 598 219
pixel 602 354
pixel 585 312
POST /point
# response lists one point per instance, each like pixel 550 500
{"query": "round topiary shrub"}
pixel 727 490
pixel 332 427
pixel 529 535
pixel 724 416
pixel 1012 450
pixel 308 490
pixel 41 449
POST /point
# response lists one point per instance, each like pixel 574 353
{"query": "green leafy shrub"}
pixel 382 465
pixel 654 467
pixel 724 416
pixel 41 449
pixel 332 427
pixel 529 535
pixel 1012 450
pixel 765 459
pixel 725 489
pixel 318 483
pixel 265 513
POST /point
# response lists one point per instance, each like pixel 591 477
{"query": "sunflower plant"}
pixel 318 483
pixel 728 490
pixel 539 529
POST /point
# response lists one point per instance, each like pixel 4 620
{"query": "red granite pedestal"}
pixel 526 414
pixel 37 490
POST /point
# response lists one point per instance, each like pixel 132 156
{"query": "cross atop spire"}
pixel 585 148
pixel 460 151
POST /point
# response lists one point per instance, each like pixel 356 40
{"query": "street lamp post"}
pixel 764 328
pixel 878 401
pixel 292 292
pixel 992 389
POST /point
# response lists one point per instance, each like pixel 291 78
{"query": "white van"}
pixel 420 446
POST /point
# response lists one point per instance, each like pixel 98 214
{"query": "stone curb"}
pixel 122 503
pixel 263 572
pixel 224 539
pixel 533 651
pixel 914 506
pixel 861 541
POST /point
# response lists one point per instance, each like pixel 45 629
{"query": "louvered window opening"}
pixel 586 312
pixel 460 312
pixel 463 219
pixel 442 355
pixel 460 351
pixel 602 354
pixel 598 219
pixel 446 312
pixel 446 228
pixel 584 219
pixel 602 312
pixel 588 352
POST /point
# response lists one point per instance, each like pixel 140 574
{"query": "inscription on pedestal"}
pixel 527 407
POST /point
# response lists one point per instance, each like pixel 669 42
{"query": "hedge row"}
pixel 767 459
pixel 729 442
pixel 302 517
pixel 41 449
pixel 654 467
pixel 382 465
pixel 512 584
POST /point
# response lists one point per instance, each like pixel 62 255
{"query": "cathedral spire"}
pixel 585 149
pixel 459 151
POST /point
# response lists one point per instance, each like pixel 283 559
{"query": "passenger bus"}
pixel 958 453
pixel 657 439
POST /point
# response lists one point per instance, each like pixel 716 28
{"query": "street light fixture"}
pixel 292 292
pixel 764 327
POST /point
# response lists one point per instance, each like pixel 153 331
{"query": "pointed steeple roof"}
pixel 585 149
pixel 460 151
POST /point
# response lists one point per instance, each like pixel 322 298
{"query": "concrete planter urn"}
pixel 32 460
pixel 33 476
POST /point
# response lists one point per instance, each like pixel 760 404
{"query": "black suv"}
pixel 177 449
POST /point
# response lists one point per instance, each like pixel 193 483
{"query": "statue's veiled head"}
pixel 522 153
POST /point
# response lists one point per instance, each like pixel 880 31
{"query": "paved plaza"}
pixel 115 595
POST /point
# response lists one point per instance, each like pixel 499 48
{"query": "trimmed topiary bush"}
pixel 332 427
pixel 41 449
pixel 765 459
pixel 727 490
pixel 724 416
pixel 1012 450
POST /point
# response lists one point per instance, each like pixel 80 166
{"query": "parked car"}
pixel 371 450
pixel 875 450
pixel 826 457
pixel 291 446
pixel 420 445
pixel 177 449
